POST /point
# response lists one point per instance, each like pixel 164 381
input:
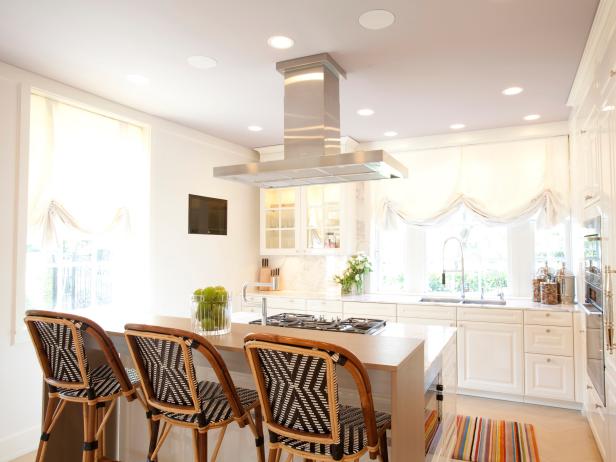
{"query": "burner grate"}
pixel 308 321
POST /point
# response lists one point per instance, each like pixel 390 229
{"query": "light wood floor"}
pixel 562 435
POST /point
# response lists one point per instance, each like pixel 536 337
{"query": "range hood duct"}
pixel 312 135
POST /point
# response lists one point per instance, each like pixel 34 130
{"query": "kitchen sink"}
pixel 440 300
pixel 459 300
pixel 485 302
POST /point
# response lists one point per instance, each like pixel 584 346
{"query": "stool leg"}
pixel 259 429
pixel 202 446
pixel 89 432
pixel 52 405
pixel 154 427
pixel 383 447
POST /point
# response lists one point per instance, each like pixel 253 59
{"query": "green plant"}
pixel 357 267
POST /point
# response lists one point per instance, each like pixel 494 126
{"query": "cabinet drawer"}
pixel 548 318
pixel 550 377
pixel 427 321
pixel 332 306
pixel 295 304
pixel 375 310
pixel 430 312
pixel 490 315
pixel 548 340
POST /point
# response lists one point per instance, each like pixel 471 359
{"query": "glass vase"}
pixel 211 313
pixel 359 286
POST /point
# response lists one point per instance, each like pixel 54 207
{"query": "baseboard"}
pixel 522 399
pixel 19 444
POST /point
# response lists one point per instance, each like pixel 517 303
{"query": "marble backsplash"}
pixel 309 273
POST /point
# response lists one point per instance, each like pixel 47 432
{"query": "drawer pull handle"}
pixel 589 387
pixel 598 406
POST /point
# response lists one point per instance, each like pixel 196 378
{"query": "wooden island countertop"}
pixel 386 350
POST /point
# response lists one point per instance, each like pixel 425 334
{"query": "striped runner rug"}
pixel 485 440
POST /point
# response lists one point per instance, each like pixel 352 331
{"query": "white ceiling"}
pixel 441 62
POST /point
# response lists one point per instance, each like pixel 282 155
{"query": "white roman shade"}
pixel 82 169
pixel 500 182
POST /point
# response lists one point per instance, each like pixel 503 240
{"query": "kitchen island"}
pixel 402 361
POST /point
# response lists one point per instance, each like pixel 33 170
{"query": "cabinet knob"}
pixel 588 197
pixel 598 406
pixel 549 360
pixel 589 387
pixel 547 315
pixel 547 331
pixel 612 73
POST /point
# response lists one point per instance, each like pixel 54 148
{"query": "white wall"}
pixel 181 164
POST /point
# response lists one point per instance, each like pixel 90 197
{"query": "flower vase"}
pixel 359 286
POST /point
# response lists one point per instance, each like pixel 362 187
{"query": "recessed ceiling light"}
pixel 512 91
pixel 255 128
pixel 365 112
pixel 532 117
pixel 390 133
pixel 457 126
pixel 376 19
pixel 137 79
pixel 608 107
pixel 280 41
pixel 201 62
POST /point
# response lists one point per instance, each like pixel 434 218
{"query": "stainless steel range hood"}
pixel 312 135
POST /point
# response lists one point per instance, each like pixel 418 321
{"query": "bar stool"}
pixel 164 359
pixel 59 342
pixel 298 390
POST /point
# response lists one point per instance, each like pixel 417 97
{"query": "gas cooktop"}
pixel 308 321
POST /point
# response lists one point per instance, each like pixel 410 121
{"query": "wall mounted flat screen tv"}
pixel 207 215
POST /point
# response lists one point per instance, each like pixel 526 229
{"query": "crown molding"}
pixel 602 29
pixel 468 138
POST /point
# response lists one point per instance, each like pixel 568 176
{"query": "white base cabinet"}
pixel 550 377
pixel 491 357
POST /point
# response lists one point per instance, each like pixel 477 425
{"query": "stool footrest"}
pixel 90 445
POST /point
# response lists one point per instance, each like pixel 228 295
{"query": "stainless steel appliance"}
pixel 312 135
pixel 593 283
pixel 597 321
pixel 309 321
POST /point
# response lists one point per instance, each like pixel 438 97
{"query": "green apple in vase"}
pixel 211 307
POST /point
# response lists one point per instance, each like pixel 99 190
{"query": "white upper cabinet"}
pixel 322 217
pixel 311 220
pixel 280 221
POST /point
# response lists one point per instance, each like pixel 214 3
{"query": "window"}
pixel 497 258
pixel 87 208
pixel 485 255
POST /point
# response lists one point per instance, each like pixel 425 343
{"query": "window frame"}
pixel 18 332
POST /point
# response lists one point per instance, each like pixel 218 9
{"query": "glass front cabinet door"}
pixel 304 220
pixel 280 221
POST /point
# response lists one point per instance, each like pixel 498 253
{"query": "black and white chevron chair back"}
pixel 299 391
pixel 60 348
pixel 165 364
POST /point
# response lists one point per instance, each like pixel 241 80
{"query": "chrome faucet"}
pixel 274 285
pixel 461 261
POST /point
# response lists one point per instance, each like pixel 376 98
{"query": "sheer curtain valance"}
pixel 82 170
pixel 500 183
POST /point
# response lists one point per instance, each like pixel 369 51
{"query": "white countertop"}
pixel 518 303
